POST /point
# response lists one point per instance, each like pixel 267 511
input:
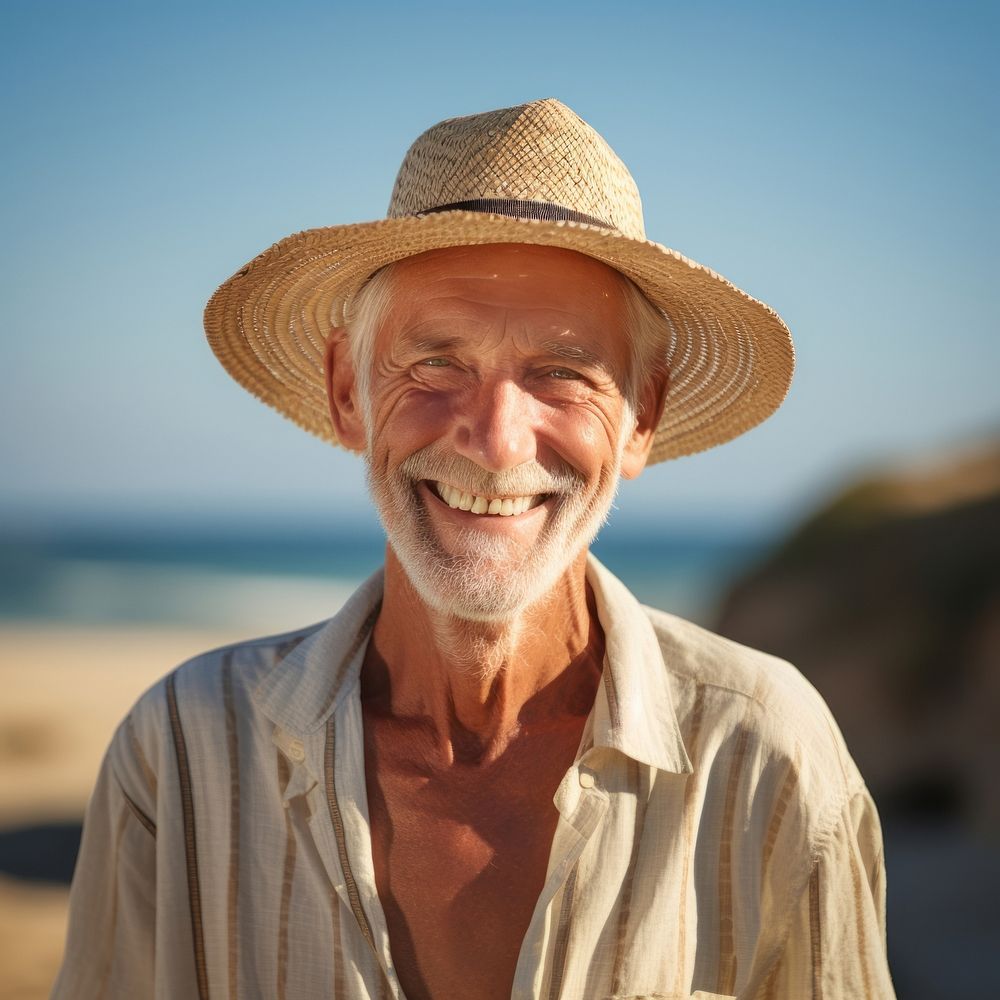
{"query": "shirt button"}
pixel 586 780
pixel 296 753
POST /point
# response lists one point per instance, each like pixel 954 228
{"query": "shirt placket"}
pixel 342 834
pixel 582 803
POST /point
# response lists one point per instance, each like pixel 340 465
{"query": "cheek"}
pixel 420 416
pixel 407 421
pixel 585 437
pixel 405 411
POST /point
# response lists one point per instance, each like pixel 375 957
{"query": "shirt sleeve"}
pixel 836 945
pixel 110 938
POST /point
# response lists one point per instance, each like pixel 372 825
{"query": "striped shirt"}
pixel 714 839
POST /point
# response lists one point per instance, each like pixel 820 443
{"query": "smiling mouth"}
pixel 497 506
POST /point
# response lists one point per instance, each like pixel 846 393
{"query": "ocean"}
pixel 268 580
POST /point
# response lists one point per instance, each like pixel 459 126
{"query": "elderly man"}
pixel 493 773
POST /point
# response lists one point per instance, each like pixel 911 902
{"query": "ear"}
pixel 341 392
pixel 651 403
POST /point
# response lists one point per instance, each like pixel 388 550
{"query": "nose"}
pixel 495 429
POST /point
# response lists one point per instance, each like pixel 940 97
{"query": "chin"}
pixel 479 585
pixel 488 579
pixel 480 576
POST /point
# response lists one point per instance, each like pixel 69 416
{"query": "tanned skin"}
pixel 470 726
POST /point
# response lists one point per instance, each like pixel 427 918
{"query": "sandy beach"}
pixel 64 691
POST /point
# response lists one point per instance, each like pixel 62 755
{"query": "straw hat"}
pixel 535 173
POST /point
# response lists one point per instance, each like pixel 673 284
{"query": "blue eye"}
pixel 436 362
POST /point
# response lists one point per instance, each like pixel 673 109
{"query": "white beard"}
pixel 485 577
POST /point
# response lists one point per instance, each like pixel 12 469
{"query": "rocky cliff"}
pixel 888 599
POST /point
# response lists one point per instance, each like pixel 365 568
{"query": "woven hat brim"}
pixel 730 358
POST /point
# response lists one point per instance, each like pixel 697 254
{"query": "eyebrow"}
pixel 572 352
pixel 556 348
pixel 434 344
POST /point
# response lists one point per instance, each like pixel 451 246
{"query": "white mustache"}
pixel 436 463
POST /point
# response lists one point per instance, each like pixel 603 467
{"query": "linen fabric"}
pixel 715 838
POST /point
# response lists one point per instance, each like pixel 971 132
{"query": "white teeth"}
pixel 504 507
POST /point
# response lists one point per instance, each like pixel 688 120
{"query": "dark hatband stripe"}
pixel 515 208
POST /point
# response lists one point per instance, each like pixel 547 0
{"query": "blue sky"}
pixel 838 161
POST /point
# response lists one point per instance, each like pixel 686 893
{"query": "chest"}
pixel 460 857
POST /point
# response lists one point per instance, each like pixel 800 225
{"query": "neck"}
pixel 479 684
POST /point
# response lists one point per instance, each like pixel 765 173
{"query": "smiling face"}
pixel 495 428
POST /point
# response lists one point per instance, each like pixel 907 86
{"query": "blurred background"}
pixel 838 161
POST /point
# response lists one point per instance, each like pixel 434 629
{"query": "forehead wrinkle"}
pixel 423 324
pixel 417 315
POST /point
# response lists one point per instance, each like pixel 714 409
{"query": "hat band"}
pixel 514 208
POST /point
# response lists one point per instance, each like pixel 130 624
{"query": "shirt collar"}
pixel 302 690
pixel 634 708
pixel 633 711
